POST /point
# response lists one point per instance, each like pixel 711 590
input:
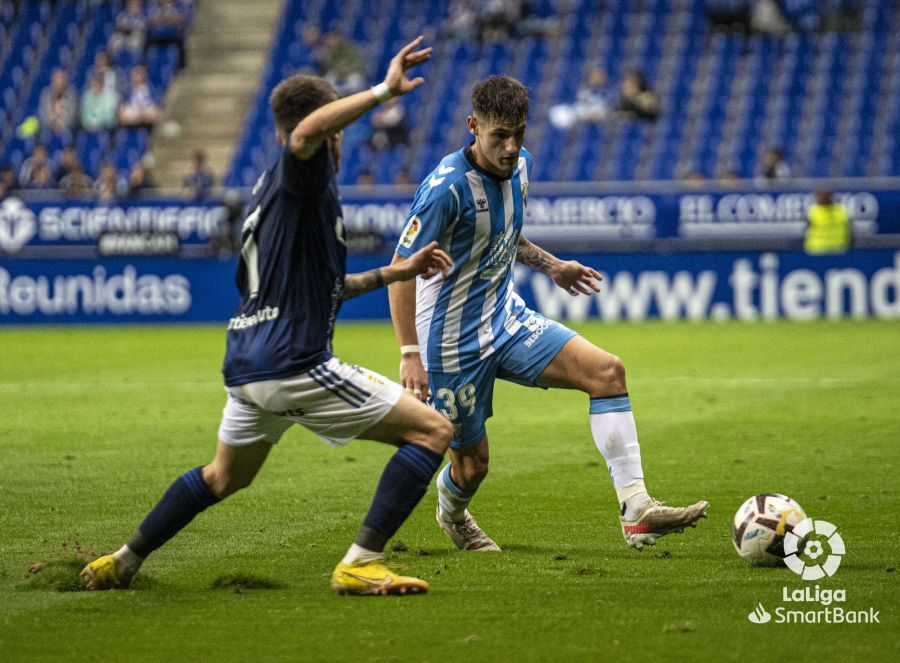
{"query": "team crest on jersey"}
pixel 413 226
pixel 481 204
pixel 500 256
pixel 525 193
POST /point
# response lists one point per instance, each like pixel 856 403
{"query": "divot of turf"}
pixel 239 582
pixel 64 575
pixel 587 571
pixel 56 575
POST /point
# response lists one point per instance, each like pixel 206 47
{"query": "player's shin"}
pixel 452 499
pixel 615 434
pixel 186 497
pixel 403 483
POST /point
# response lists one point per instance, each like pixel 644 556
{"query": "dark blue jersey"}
pixel 291 272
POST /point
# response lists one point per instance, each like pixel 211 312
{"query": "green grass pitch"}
pixel 96 422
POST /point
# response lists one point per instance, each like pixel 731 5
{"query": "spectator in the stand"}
pixel 729 178
pixel 313 46
pixel 729 15
pixel 77 184
pixel 365 178
pixel 131 27
pixel 766 17
pixel 389 125
pixel 592 103
pixel 99 107
pixel 637 100
pixel 342 64
pixel 8 180
pixel 462 20
pixel 167 25
pixel 498 19
pixel 774 166
pixel 40 158
pixel 403 177
pixel 694 179
pixel 109 187
pixel 139 109
pixel 199 179
pixel 41 178
pixel 58 104
pixel 141 179
pixel 748 16
pixel 68 162
pixel 111 77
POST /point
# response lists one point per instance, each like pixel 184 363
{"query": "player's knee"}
pixel 223 483
pixel 440 433
pixel 432 431
pixel 609 379
pixel 470 473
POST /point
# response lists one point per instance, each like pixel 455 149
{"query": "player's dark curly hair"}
pixel 296 97
pixel 501 99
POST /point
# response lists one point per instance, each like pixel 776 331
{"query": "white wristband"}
pixel 382 92
pixel 404 349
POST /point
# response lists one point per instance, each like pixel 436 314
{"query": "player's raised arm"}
pixel 426 262
pixel 570 275
pixel 329 119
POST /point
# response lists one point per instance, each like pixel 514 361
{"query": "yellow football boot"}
pixel 103 573
pixel 373 578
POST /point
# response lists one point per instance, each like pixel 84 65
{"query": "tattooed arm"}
pixel 359 284
pixel 570 275
pixel 535 257
pixel 425 262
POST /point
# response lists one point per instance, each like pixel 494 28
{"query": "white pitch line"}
pixel 765 382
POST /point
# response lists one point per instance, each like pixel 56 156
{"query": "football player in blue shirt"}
pixel 279 367
pixel 470 328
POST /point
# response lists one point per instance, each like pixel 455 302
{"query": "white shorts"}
pixel 334 400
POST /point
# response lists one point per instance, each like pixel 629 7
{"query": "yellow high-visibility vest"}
pixel 828 231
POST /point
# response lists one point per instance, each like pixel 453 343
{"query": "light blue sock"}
pixel 452 499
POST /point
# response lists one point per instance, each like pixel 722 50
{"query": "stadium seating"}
pixel 37 37
pixel 829 100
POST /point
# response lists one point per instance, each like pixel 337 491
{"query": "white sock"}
pixel 359 555
pixel 612 425
pixel 633 500
pixel 452 499
pixel 128 561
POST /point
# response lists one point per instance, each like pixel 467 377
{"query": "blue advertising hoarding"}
pixel 554 214
pixel 30 225
pixel 563 214
pixel 690 285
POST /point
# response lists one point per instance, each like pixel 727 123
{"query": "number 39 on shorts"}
pixel 447 400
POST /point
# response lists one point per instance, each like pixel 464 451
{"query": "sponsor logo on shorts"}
pixel 537 326
pixel 295 412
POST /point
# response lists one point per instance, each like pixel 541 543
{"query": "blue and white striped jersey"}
pixel 476 218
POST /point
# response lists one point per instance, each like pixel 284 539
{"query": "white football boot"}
pixel 466 534
pixel 657 520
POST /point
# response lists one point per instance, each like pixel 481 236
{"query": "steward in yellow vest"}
pixel 829 226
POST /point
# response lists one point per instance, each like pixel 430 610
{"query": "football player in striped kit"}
pixel 460 332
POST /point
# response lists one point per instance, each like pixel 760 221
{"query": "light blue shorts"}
pixel 465 398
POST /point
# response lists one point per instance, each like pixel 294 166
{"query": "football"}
pixel 760 525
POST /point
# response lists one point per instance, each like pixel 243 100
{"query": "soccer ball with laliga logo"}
pixel 760 525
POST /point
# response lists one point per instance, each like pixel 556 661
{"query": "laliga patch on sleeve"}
pixel 410 231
